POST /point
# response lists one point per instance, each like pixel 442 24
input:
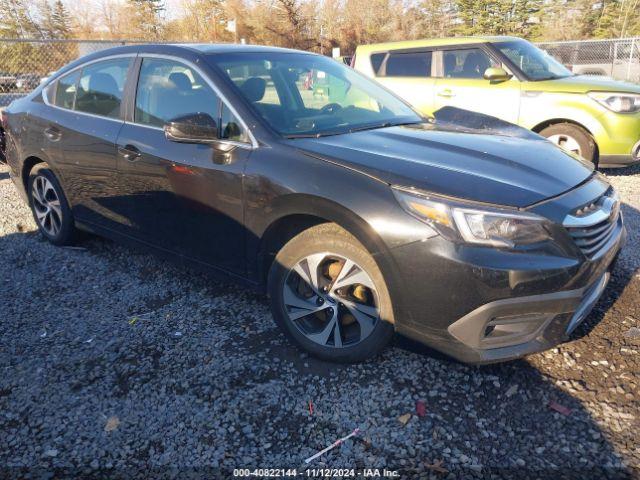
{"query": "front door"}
pixel 462 85
pixel 183 197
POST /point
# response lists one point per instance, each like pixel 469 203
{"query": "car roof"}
pixel 432 42
pixel 172 49
pixel 203 48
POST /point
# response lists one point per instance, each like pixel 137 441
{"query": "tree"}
pixel 55 20
pixel 501 17
pixel 145 15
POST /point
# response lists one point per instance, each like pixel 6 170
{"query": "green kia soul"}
pixel 509 78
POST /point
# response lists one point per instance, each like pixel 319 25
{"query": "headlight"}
pixel 618 102
pixel 485 226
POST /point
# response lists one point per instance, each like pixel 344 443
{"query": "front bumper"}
pixel 489 306
pixel 617 161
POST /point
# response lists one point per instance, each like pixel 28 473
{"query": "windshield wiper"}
pixel 374 126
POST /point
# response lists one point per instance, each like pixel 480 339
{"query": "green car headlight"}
pixel 618 102
pixel 484 226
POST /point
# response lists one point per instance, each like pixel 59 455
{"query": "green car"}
pixel 509 78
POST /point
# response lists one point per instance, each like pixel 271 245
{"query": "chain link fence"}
pixel 24 64
pixel 619 58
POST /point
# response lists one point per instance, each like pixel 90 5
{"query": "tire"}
pixel 50 207
pixel 574 137
pixel 353 304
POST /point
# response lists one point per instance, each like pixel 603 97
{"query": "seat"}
pixel 102 96
pixel 474 65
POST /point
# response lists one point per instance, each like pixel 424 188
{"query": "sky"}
pixel 172 6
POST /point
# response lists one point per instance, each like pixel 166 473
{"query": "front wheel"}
pixel 572 138
pixel 328 295
pixel 50 207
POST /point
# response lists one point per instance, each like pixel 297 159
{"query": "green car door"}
pixel 462 84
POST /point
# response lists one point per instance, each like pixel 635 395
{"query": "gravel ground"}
pixel 117 365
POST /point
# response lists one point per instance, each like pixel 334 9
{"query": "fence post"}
pixel 633 44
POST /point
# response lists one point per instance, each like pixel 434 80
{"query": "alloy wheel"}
pixel 331 300
pixel 46 205
pixel 566 142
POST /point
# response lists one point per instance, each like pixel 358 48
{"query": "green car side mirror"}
pixel 496 74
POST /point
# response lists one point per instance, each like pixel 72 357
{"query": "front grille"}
pixel 592 227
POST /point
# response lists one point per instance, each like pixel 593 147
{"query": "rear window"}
pixel 376 61
pixel 415 64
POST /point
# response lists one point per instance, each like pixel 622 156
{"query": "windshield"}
pixel 311 95
pixel 535 63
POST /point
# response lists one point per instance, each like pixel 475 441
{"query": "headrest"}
pixel 253 88
pixel 181 81
pixel 103 83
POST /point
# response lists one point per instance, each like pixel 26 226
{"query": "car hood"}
pixel 583 84
pixel 444 159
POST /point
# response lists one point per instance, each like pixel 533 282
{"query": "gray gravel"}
pixel 114 360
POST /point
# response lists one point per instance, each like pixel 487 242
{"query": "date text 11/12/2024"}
pixel 316 472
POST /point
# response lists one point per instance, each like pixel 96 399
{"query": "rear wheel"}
pixel 329 296
pixel 572 138
pixel 50 207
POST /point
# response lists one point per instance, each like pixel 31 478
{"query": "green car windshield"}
pixel 534 63
pixel 302 95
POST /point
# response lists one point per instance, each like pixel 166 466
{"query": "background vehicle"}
pixel 27 82
pixel 511 79
pixel 600 57
pixel 7 82
pixel 357 215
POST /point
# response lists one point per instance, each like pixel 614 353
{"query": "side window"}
pixel 101 86
pixel 230 126
pixel 467 63
pixel 168 89
pixel 376 62
pixel 66 90
pixel 414 64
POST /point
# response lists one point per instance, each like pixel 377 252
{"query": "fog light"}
pixel 513 329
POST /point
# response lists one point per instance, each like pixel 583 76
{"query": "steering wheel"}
pixel 331 108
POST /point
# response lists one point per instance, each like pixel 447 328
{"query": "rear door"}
pixel 82 136
pixel 409 74
pixel 462 84
pixel 182 197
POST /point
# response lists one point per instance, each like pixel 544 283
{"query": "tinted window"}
pixel 417 64
pixel 66 90
pixel 168 89
pixel 101 86
pixel 302 94
pixel 376 61
pixel 467 63
pixel 231 128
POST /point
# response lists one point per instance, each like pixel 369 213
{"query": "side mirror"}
pixel 496 74
pixel 192 128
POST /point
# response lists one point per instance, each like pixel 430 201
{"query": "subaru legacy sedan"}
pixel 357 216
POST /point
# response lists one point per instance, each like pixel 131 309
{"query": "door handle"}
pixel 129 152
pixel 446 93
pixel 53 134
